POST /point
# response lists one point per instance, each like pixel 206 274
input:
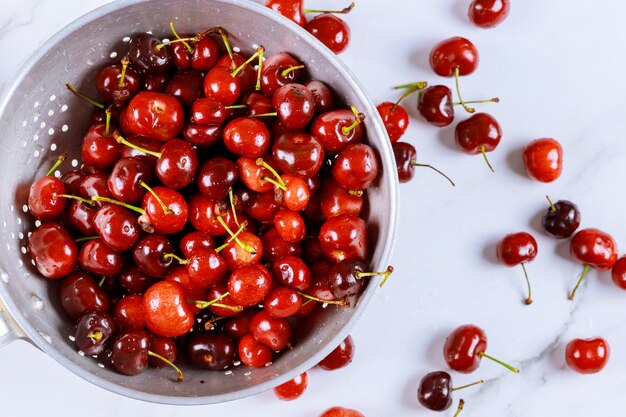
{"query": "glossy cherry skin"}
pixel 193 241
pixel 208 111
pixel 216 176
pixel 275 247
pixel 436 106
pixel 331 30
pixel 249 284
pixel 54 251
pixel 219 84
pixel 166 309
pixel 156 116
pixel 340 357
pixel 435 391
pixel 165 347
pixel 335 200
pixel 252 174
pixel 203 213
pixel 145 143
pixel 517 248
pixel 344 281
pixel 94 184
pixel 129 313
pixel 272 332
pixel 93 331
pixel 201 135
pixel 144 55
pixel 124 179
pixel 618 273
pixel 263 208
pixel 214 351
pixel 291 9
pixel 259 103
pixel 108 79
pixel 594 247
pixel 44 202
pixel 72 179
pixel 587 356
pixel 80 294
pixel 185 86
pixel 99 148
pixel 292 389
pixel 295 105
pixel 205 54
pixel 292 272
pixel 463 348
pixel 290 225
pixel 247 76
pixel 324 97
pixel 282 302
pixel 395 118
pixel 320 280
pixel 80 216
pixel 341 412
pixel 488 13
pixel 129 355
pixel 152 82
pixel 451 53
pixel 253 353
pixel 178 165
pixel 272 72
pixel 247 137
pixel 192 291
pixel 206 267
pixel 96 257
pixel 133 280
pixel 298 153
pixel 543 159
pixel 327 128
pixel 481 132
pixel 148 255
pixel 356 167
pixel 161 222
pixel 562 221
pixel 239 326
pixel 405 155
pixel 181 58
pixel 236 257
pixel 344 237
pixel 117 227
pixel 296 196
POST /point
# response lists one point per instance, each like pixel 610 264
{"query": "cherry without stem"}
pixel 292 389
pixel 587 356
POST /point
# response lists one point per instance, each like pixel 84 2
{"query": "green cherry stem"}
pixel 101 283
pixel 229 50
pixel 176 257
pixel 125 142
pixel 484 152
pixel 529 299
pixel 119 203
pixel 359 117
pixel 245 247
pixel 95 335
pixel 73 197
pixel 231 199
pixel 411 88
pixel 107 125
pixel 230 239
pixel 262 163
pixel 259 53
pixel 385 274
pixel 506 365
pixel 552 207
pixel 458 91
pixel 415 164
pixel 580 280
pixel 286 71
pixel 164 44
pixel 468 385
pixel 125 62
pixel 342 11
pixel 58 162
pixel 459 408
pixel 84 97
pixel 343 302
pixel 489 100
pixel 189 48
pixel 170 363
pixel 272 114
pixel 205 304
pixel 165 208
pixel 416 85
pixel 86 238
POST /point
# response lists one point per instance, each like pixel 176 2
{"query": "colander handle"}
pixel 9 330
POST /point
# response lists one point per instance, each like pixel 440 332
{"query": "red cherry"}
pixel 290 225
pixel 53 250
pixel 126 177
pixel 344 237
pixel 185 86
pixel 148 255
pixel 147 56
pixel 263 208
pixel 248 75
pixel 193 241
pixel 298 153
pixel 128 313
pixel 253 353
pixel 395 119
pixel 165 347
pixel 208 111
pixel 336 200
pixel 156 116
pixel 117 227
pixel 247 249
pixel 275 247
pixel 80 294
pixel 488 13
pixel 341 412
pixel 166 311
pixel 72 179
pixel 296 194
pixel 45 201
pixel 133 280
pixel 291 9
pixel 340 357
pixel 436 105
pixel 587 356
pixel 239 326
pixel 221 85
pixel 96 257
pixel 81 217
pixel 205 54
pixel 202 136
pixel 165 222
pixel 452 53
pixel 282 302
pixel 543 159
pixel 272 332
pixel 593 248
pixel 129 355
pixel 292 389
pixel 203 214
pixel 181 56
pixel 249 285
pixel 295 105
pixel 356 167
pixel 279 69
pixel 336 129
pixel 518 248
pixel 292 272
pixel 331 31
pixel 465 347
pixel 324 97
pixel 108 82
pixel 618 273
pixel 247 137
pixel 480 133
pixel 192 291
pixel 94 185
pixel 227 306
pixel 99 147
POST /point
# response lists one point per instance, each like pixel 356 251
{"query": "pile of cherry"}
pixel 217 206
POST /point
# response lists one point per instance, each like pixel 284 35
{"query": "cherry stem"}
pixel 259 53
pixel 356 193
pixel 468 385
pixel 551 204
pixel 261 162
pixel 210 324
pixel 245 247
pixel 170 363
pixel 101 283
pixel 84 97
pixel 231 199
pixel 459 408
pixel 343 302
pixel 224 35
pixel 489 100
pixel 165 208
pixel 359 119
pixel 236 106
pixel 123 141
pixel 385 274
pixel 273 181
pixel 230 239
pixel 95 335
pixel 58 162
pixel 178 258
pixel 416 85
pixel 286 71
pixel 125 62
pixel 482 150
pixel 164 44
pixel 529 299
pixel 580 280
pixel 458 91
pixel 226 306
pixel 264 114
pixel 107 123
pixel 205 304
pixel 506 365
pixel 342 11
pixel 86 238
pixel 415 164
pixel 73 197
pixel 119 203
pixel 189 48
pixel 257 86
pixel 412 88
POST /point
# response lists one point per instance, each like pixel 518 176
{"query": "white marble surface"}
pixel 556 67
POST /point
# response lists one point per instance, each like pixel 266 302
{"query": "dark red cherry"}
pixel 258 103
pixel 488 13
pixel 186 86
pixel 93 331
pixel 340 357
pixel 181 57
pixel 146 55
pixel 356 167
pixel 166 310
pixel 272 332
pixel 195 240
pixel 336 129
pixel 129 355
pixel 435 391
pixel 453 53
pixel 275 247
pixel 72 179
pixel 247 137
pixel 129 313
pixel 298 153
pixel 214 351
pixel 480 133
pixel 125 178
pixel 178 164
pixel 217 175
pixel 98 258
pixel 561 219
pixel 323 95
pixel 133 280
pixel 165 347
pixel 201 135
pixel 292 272
pixel 108 82
pixel 148 255
pixel 81 216
pixel 117 227
pixel 205 54
pixel 53 250
pixel 295 105
pixel 80 294
pixel 156 116
pixel 208 111
pixel 344 237
pixel 263 207
pixel 336 200
pixel 279 69
pixel 331 30
pixel 95 185
pixel 155 83
pixel 436 106
pixel 144 144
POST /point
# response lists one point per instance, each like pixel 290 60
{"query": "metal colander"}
pixel 40 119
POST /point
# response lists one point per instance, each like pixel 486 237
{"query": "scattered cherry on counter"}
pixel 587 356
pixel 435 390
pixel 561 219
pixel 543 159
pixel 488 13
pixel 292 389
pixel 593 248
pixel 518 249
